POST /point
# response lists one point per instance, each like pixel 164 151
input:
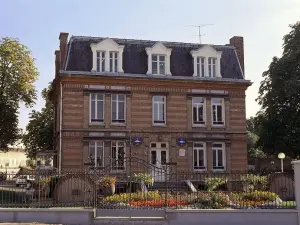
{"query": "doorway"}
pixel 159 156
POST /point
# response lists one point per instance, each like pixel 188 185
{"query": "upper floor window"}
pixel 159 110
pixel 218 111
pixel 212 67
pixel 113 62
pixel 96 152
pixel 207 62
pixel 219 157
pixel 96 107
pixel 117 108
pixel 199 156
pixel 100 61
pixel 198 111
pixel 200 67
pixel 159 64
pixel 107 56
pixel 118 155
pixel 159 59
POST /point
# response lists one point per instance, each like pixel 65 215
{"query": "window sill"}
pixel 118 124
pixel 200 170
pixel 199 125
pixel 219 170
pixel 158 125
pixel 218 125
pixel 96 124
pixel 118 171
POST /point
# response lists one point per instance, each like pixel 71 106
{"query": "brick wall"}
pixel 139 119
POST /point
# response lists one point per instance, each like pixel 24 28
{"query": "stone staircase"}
pixel 171 186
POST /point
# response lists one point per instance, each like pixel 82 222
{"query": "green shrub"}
pixel 211 200
pixel 145 177
pixel 128 197
pixel 260 196
pixel 213 182
pixel 255 181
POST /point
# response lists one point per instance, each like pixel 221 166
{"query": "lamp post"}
pixel 281 156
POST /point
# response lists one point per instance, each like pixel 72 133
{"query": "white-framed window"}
pixel 219 156
pixel 199 156
pixel 199 111
pixel 212 67
pixel 159 64
pixel 159 110
pixel 118 155
pixel 100 61
pixel 207 62
pixel 96 153
pixel 218 111
pixel 200 66
pixel 97 107
pixel 113 61
pixel 107 56
pixel 118 102
pixel 159 59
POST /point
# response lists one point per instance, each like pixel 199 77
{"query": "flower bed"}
pixel 159 203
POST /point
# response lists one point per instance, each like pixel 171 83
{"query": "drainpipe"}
pixel 60 128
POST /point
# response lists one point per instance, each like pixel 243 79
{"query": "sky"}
pixel 262 23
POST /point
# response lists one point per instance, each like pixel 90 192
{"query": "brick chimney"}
pixel 63 42
pixel 57 62
pixel 238 43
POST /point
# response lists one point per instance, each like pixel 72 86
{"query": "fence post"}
pixel 296 166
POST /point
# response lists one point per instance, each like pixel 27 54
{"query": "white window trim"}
pixel 206 52
pixel 224 156
pixel 90 109
pixel 204 113
pixel 111 147
pixel 223 113
pixel 204 155
pixel 159 49
pixel 111 116
pixel 165 111
pixel 95 150
pixel 108 45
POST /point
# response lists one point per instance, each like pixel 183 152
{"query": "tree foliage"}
pixel 279 97
pixel 17 76
pixel 39 131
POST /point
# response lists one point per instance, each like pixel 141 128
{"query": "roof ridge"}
pixel 143 40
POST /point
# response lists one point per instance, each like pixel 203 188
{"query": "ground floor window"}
pixel 199 156
pixel 118 155
pixel 219 157
pixel 96 153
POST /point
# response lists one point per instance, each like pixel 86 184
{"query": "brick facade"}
pixel 76 126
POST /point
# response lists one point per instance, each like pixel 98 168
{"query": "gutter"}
pixel 60 129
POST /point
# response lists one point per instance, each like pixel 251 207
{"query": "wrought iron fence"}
pixel 147 187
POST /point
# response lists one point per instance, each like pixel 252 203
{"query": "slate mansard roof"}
pixel 79 56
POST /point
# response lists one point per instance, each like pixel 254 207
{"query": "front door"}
pixel 159 156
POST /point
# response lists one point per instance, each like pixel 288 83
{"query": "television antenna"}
pixel 199 30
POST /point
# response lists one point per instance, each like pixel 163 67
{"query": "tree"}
pixel 17 75
pixel 252 138
pixel 279 97
pixel 39 131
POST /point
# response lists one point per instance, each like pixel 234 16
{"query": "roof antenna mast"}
pixel 199 30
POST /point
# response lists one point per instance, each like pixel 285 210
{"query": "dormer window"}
pixel 159 59
pixel 100 61
pixel 212 67
pixel 159 64
pixel 107 56
pixel 206 62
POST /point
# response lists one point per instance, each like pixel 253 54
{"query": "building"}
pixel 157 101
pixel 12 160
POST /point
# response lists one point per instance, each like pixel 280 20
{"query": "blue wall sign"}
pixel 137 140
pixel 181 141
